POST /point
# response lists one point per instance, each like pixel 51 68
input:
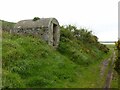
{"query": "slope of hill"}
pixel 30 62
pixel 7 26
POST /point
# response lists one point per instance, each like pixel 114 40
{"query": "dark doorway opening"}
pixel 54 34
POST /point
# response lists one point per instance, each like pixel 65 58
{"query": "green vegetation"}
pixel 81 51
pixel 30 62
pixel 36 18
pixel 117 63
pixel 115 76
pixel 34 63
pixel 7 26
pixel 114 82
pixel 116 73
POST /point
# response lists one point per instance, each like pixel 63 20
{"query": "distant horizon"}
pixel 107 41
pixel 99 16
pixel 102 41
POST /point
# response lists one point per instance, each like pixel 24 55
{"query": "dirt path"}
pixel 104 66
pixel 109 75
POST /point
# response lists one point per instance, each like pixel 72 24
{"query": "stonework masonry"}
pixel 46 28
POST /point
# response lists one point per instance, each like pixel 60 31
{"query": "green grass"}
pixel 33 61
pixel 0 60
pixel 6 26
pixel 114 82
pixel 111 46
pixel 30 62
pixel 115 77
pixel 89 77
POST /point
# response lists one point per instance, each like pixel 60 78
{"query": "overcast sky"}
pixel 100 16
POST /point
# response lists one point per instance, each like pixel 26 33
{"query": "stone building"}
pixel 46 28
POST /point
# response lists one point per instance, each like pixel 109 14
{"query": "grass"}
pixel 30 62
pixel 39 66
pixel 114 82
pixel 89 77
pixel 6 26
pixel 115 77
pixel 0 59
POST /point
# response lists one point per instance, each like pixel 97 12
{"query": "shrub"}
pixel 36 18
pixel 117 62
pixel 103 48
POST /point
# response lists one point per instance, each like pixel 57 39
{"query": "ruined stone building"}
pixel 46 28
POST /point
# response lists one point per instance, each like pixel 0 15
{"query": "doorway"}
pixel 55 34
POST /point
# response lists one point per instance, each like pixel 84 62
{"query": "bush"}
pixel 103 48
pixel 117 62
pixel 36 18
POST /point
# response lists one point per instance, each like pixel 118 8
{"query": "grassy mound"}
pixel 30 62
pixel 34 63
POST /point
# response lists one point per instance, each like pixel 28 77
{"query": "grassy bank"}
pixel 115 77
pixel 30 62
pixel 114 82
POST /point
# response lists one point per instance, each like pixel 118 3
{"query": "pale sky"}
pixel 100 16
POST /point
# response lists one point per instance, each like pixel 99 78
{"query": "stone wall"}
pixel 46 28
pixel 38 31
